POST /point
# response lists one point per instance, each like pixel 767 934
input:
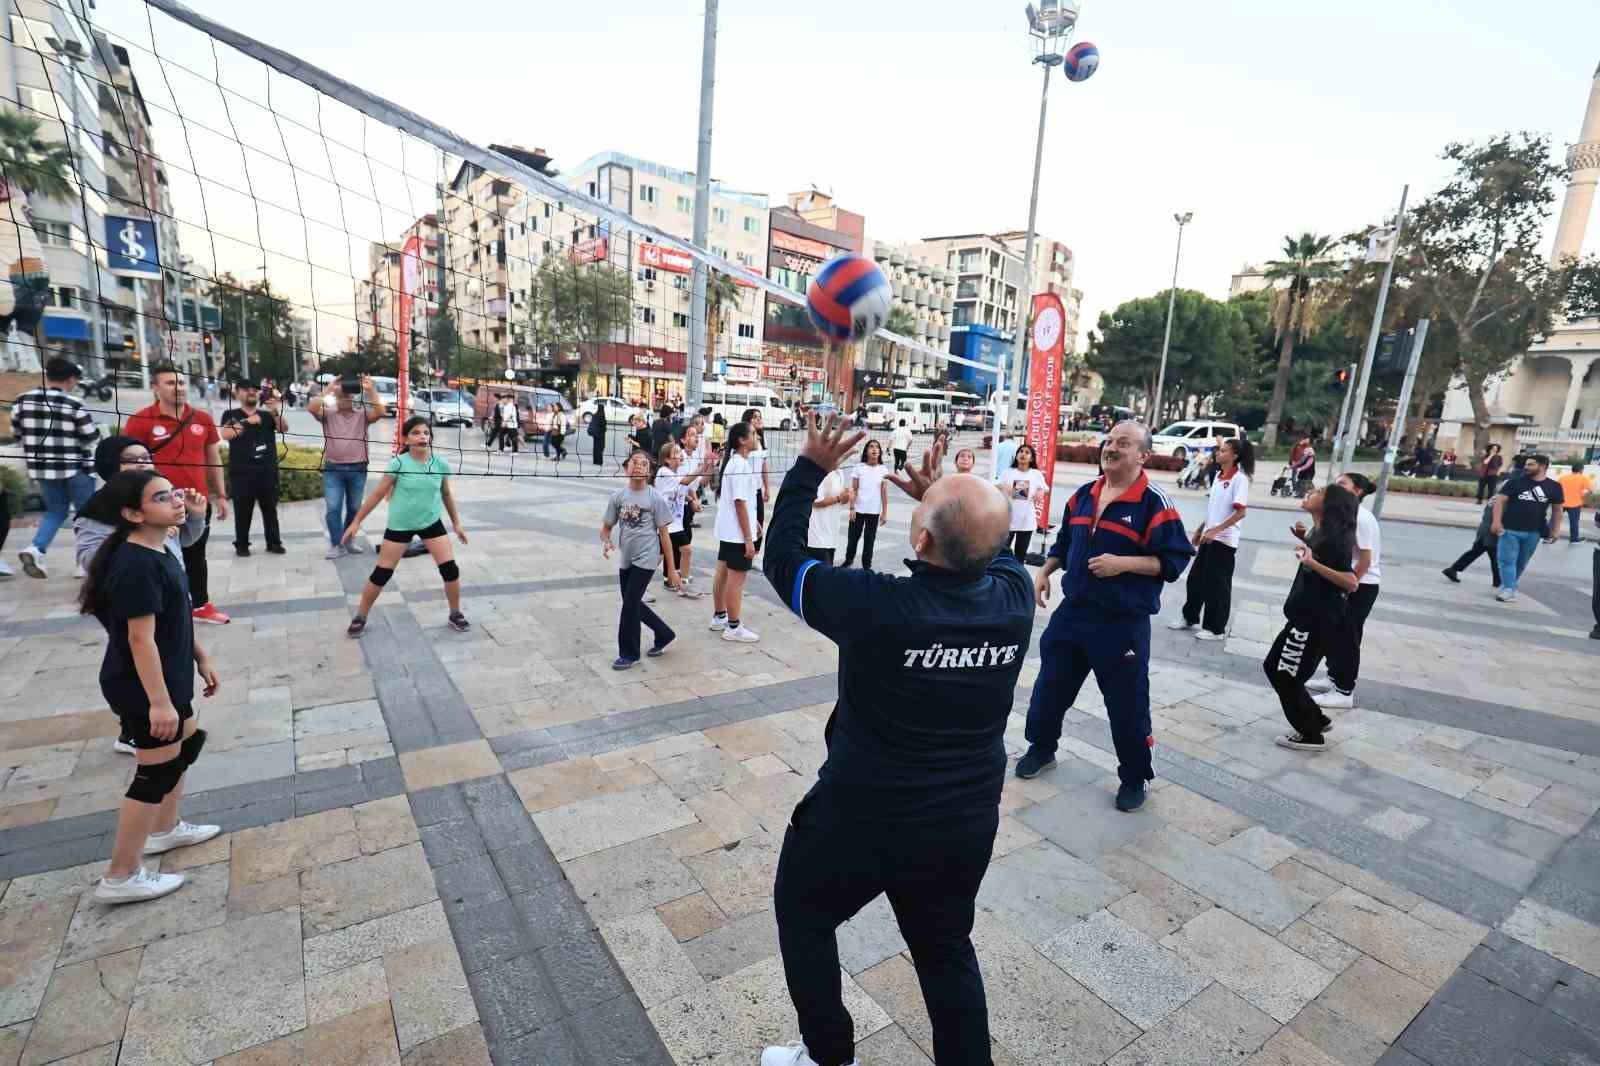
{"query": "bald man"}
pixel 1121 541
pixel 908 799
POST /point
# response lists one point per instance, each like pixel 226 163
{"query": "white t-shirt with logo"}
pixel 1368 537
pixel 738 483
pixel 868 478
pixel 824 531
pixel 900 439
pixel 1226 498
pixel 1019 487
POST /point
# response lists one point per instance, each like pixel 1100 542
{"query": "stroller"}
pixel 1284 484
pixel 1193 476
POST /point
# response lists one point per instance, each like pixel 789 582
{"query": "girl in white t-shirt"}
pixel 736 534
pixel 966 460
pixel 869 504
pixel 1023 483
pixel 1210 581
pixel 676 480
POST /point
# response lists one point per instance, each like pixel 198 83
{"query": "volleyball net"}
pixel 245 214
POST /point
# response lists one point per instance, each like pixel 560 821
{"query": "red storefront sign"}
pixel 804 246
pixel 640 359
pixel 781 372
pixel 589 251
pixel 1044 391
pixel 671 260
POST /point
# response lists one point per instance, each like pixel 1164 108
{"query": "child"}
pixel 869 504
pixel 676 481
pixel 965 461
pixel 417 483
pixel 138 590
pixel 644 516
pixel 1022 483
pixel 1210 582
pixel 736 535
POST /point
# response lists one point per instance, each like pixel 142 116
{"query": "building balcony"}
pixel 921 329
pixel 921 297
pixel 904 291
pixel 897 258
pixel 924 268
pixel 880 251
pixel 944 332
pixel 947 305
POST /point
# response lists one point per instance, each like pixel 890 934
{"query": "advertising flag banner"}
pixel 410 282
pixel 131 247
pixel 1044 392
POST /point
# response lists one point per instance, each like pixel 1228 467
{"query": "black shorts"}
pixel 732 553
pixel 136 727
pixel 403 536
pixel 682 538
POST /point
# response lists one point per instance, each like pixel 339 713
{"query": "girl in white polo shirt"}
pixel 1022 482
pixel 869 504
pixel 1211 573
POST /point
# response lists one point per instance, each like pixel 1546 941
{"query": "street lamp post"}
pixel 1166 340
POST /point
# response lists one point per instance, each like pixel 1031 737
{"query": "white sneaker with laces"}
pixel 1319 684
pixel 80 573
pixel 719 622
pixel 141 884
pixel 179 836
pixel 790 1055
pixel 1206 634
pixel 122 747
pixel 1335 700
pixel 1179 624
pixel 356 547
pixel 742 635
pixel 1504 595
pixel 336 551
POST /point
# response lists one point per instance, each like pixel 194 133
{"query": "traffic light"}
pixel 1387 344
pixel 208 341
pixel 1340 380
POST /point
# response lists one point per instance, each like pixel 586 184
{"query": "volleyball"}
pixel 1083 59
pixel 849 298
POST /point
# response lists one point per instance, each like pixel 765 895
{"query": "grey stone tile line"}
pixel 546 985
pixel 1506 1003
pixel 1571 882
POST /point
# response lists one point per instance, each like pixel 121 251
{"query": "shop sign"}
pixel 589 251
pixel 673 261
pixel 804 246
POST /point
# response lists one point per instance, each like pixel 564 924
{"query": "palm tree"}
pixel 722 293
pixel 900 321
pixel 1296 307
pixel 39 167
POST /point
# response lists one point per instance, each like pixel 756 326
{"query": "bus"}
pixel 733 399
pixel 964 410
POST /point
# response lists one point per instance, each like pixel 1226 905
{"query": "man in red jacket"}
pixel 183 442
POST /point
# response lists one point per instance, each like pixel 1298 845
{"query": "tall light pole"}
pixel 1166 341
pixel 1049 25
pixel 702 212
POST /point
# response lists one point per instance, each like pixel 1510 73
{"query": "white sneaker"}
pixel 80 573
pixel 32 563
pixel 688 593
pixel 141 884
pixel 355 547
pixel 719 622
pixel 790 1055
pixel 1179 624
pixel 5 569
pixel 743 635
pixel 179 836
pixel 1319 684
pixel 337 551
pixel 1504 595
pixel 1206 634
pixel 122 747
pixel 1333 699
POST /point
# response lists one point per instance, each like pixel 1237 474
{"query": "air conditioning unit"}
pixel 649 286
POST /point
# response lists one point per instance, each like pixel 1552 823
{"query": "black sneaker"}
pixel 661 649
pixel 243 553
pixel 358 626
pixel 1034 763
pixel 1130 797
pixel 458 622
pixel 1300 742
pixel 1451 575
pixel 277 549
pixel 1594 634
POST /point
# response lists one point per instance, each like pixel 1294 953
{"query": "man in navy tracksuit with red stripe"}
pixel 1121 540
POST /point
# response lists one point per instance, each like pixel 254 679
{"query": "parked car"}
pixel 441 407
pixel 1182 438
pixel 618 411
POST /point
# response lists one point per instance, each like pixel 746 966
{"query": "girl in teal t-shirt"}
pixel 417 485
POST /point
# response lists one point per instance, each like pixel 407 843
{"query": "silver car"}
pixel 441 407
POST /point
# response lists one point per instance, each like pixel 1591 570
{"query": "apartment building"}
pixel 378 294
pixel 924 290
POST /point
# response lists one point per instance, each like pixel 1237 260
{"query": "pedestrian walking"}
pixel 1594 594
pixel 344 453
pixel 1122 539
pixel 660 431
pixel 1484 543
pixel 1023 484
pixel 869 504
pixel 58 436
pixel 138 591
pixel 719 431
pixel 900 444
pixel 1527 510
pixel 677 478
pixel 1303 462
pixel 185 445
pixel 597 435
pixel 508 420
pixel 1314 613
pixel 1216 540
pixel 558 431
pixel 736 535
pixel 417 485
pixel 1337 691
pixel 906 803
pixel 251 430
pixel 642 516
pixel 1004 451
pixel 1489 472
pixel 1575 485
pixel 822 535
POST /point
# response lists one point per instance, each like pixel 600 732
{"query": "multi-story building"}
pixel 476 207
pixel 378 294
pixel 797 249
pixel 923 290
pixel 198 318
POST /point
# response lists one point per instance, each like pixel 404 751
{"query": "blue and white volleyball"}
pixel 1083 59
pixel 848 299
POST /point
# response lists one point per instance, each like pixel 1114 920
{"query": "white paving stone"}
pixel 1269 976
pixel 1140 979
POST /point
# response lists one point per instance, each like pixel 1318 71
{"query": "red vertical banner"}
pixel 410 282
pixel 1044 392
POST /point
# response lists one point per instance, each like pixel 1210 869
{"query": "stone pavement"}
pixel 489 847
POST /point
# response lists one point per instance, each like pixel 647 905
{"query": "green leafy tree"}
pixel 900 321
pixel 722 296
pixel 264 319
pixel 579 305
pixel 1297 306
pixel 375 355
pixel 1208 341
pixel 38 166
pixel 444 336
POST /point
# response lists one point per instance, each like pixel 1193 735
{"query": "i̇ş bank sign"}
pixel 669 259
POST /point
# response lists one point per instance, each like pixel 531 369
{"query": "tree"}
pixel 39 167
pixel 1472 259
pixel 580 305
pixel 375 355
pixel 1296 308
pixel 900 321
pixel 722 294
pixel 444 337
pixel 264 319
pixel 1209 340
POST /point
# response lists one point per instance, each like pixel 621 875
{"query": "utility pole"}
pixel 1019 354
pixel 1398 432
pixel 244 338
pixel 1349 454
pixel 1166 339
pixel 702 212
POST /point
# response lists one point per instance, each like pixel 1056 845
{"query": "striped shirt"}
pixel 57 432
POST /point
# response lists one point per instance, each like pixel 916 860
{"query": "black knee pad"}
pixel 189 751
pixel 450 571
pixel 380 575
pixel 152 781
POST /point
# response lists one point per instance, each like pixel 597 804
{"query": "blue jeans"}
pixel 74 490
pixel 1516 552
pixel 343 485
pixel 1574 520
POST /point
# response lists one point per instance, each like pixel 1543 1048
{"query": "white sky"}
pixel 1263 117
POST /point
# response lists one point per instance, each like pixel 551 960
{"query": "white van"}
pixel 388 390
pixel 880 415
pixel 921 416
pixel 732 400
